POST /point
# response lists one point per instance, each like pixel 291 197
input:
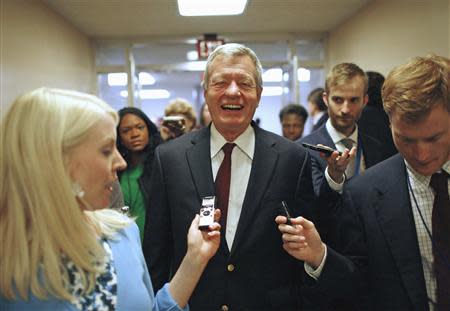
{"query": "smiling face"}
pixel 345 104
pixel 133 132
pixel 425 144
pixel 232 94
pixel 94 163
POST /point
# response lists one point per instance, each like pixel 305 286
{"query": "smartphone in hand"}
pixel 175 124
pixel 285 212
pixel 324 149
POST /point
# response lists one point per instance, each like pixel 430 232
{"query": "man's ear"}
pixel 366 99
pixel 325 98
pixel 258 95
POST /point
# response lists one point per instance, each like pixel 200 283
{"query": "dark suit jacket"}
pixel 264 277
pixel 377 211
pixel 373 152
pixel 321 121
pixel 375 122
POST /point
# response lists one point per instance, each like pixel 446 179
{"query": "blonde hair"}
pixel 41 221
pixel 342 73
pixel 180 106
pixel 413 89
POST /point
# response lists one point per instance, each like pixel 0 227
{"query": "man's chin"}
pixel 426 170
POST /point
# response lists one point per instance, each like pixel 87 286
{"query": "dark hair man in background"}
pixel 317 108
pixel 374 121
pixel 292 119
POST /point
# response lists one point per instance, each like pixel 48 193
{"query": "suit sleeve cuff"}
pixel 334 185
pixel 315 274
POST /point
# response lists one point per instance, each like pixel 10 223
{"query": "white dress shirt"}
pixel 424 195
pixel 337 138
pixel 317 117
pixel 241 165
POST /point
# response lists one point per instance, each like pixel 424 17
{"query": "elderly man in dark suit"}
pixel 397 215
pixel 250 271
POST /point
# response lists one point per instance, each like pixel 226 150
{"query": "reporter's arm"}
pixel 202 245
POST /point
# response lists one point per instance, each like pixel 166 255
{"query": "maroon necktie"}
pixel 222 184
pixel 441 239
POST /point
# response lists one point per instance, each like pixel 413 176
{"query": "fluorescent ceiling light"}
pixel 146 78
pixel 273 75
pixel 272 91
pixel 303 74
pixel 199 65
pixel 192 55
pixel 149 94
pixel 211 7
pixel 117 79
pixel 154 94
pixel 276 75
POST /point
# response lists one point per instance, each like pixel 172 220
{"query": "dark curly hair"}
pixel 154 139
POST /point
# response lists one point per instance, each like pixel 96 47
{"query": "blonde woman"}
pixel 61 248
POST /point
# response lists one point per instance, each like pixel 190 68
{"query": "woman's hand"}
pixel 203 244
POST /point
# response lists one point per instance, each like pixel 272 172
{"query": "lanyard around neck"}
pixel 358 155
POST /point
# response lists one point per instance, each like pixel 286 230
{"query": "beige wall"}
pixel 39 48
pixel 388 32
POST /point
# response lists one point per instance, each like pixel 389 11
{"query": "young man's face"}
pixel 345 104
pixel 425 144
pixel 292 125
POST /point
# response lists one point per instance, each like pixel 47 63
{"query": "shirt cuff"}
pixel 334 185
pixel 165 301
pixel 315 274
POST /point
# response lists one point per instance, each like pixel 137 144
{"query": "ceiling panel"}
pixel 119 19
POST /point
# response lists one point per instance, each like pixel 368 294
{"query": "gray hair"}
pixel 233 49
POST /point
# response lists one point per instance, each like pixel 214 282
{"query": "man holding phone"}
pixel 395 219
pixel 345 96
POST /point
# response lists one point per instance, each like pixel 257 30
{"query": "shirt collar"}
pixel 422 179
pixel 317 116
pixel 337 136
pixel 245 142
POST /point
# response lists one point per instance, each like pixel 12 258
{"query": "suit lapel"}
pixel 324 138
pixel 371 151
pixel 393 212
pixel 199 161
pixel 263 165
